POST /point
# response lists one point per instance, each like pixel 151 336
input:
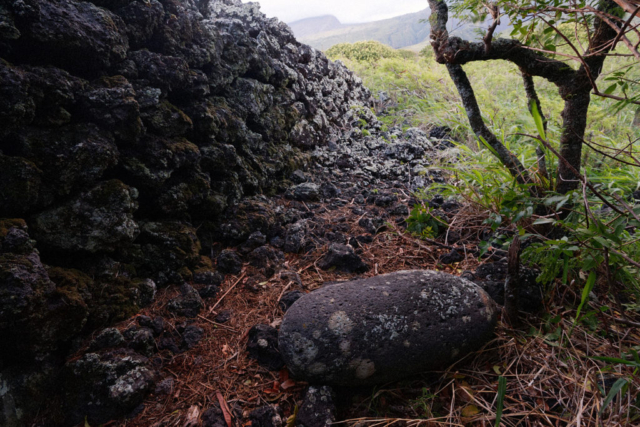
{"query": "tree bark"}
pixel 575 86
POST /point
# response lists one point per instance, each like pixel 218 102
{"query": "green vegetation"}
pixel 366 51
pixel 422 94
pixel 585 251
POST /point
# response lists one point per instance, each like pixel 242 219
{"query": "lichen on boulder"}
pixel 384 328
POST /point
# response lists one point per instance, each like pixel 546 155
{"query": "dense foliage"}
pixel 366 51
pixel 417 92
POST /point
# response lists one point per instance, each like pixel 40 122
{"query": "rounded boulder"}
pixel 385 328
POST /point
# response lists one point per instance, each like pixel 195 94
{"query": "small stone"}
pixel 110 337
pixel 400 210
pixel 318 408
pixel 298 177
pixel 291 276
pixel 156 325
pixel 296 237
pixel 305 192
pixel 263 347
pixel 143 342
pixel 209 291
pixel 329 191
pixel 385 328
pixel 384 200
pixel 452 257
pixel 267 259
pixel 164 387
pixel 188 304
pixel 343 259
pixel 168 343
pixel 229 262
pixel 208 277
pixel 213 417
pixel 288 299
pixel 266 416
pixel 254 241
pixel 224 316
pixel 192 336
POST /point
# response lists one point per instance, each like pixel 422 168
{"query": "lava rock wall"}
pixel 127 129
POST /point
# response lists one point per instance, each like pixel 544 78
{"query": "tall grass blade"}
pixel 502 390
pixel 588 287
pixel 612 393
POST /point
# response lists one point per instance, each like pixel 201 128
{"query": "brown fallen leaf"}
pixel 225 408
pixel 288 384
pixel 193 415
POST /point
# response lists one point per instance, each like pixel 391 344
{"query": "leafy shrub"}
pixel 368 51
pixel 422 223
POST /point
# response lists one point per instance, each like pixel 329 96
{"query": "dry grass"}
pixel 552 378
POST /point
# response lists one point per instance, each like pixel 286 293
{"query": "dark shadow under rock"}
pixel 491 277
pixel 288 299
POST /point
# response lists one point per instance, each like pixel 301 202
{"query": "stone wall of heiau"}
pixel 127 130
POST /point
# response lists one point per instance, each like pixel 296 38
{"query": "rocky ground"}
pixel 174 175
pixel 139 140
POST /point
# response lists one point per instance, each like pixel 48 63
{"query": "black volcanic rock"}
pixel 134 136
pixel 343 258
pixel 262 346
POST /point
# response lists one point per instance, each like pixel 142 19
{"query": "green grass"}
pixel 426 96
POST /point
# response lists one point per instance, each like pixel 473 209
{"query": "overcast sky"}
pixel 347 11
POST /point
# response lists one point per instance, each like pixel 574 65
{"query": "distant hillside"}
pixel 310 26
pixel 399 32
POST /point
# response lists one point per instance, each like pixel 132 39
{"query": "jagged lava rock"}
pixel 384 328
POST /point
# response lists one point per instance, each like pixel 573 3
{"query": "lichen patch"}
pixel 340 323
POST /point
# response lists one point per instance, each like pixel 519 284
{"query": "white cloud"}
pixel 347 11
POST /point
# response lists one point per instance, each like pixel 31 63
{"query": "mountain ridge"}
pixel 404 31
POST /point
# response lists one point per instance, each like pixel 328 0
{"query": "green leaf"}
pixel 537 117
pixel 565 272
pixel 616 360
pixel 588 287
pixel 502 390
pixel 541 221
pixel 610 89
pixel 612 393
